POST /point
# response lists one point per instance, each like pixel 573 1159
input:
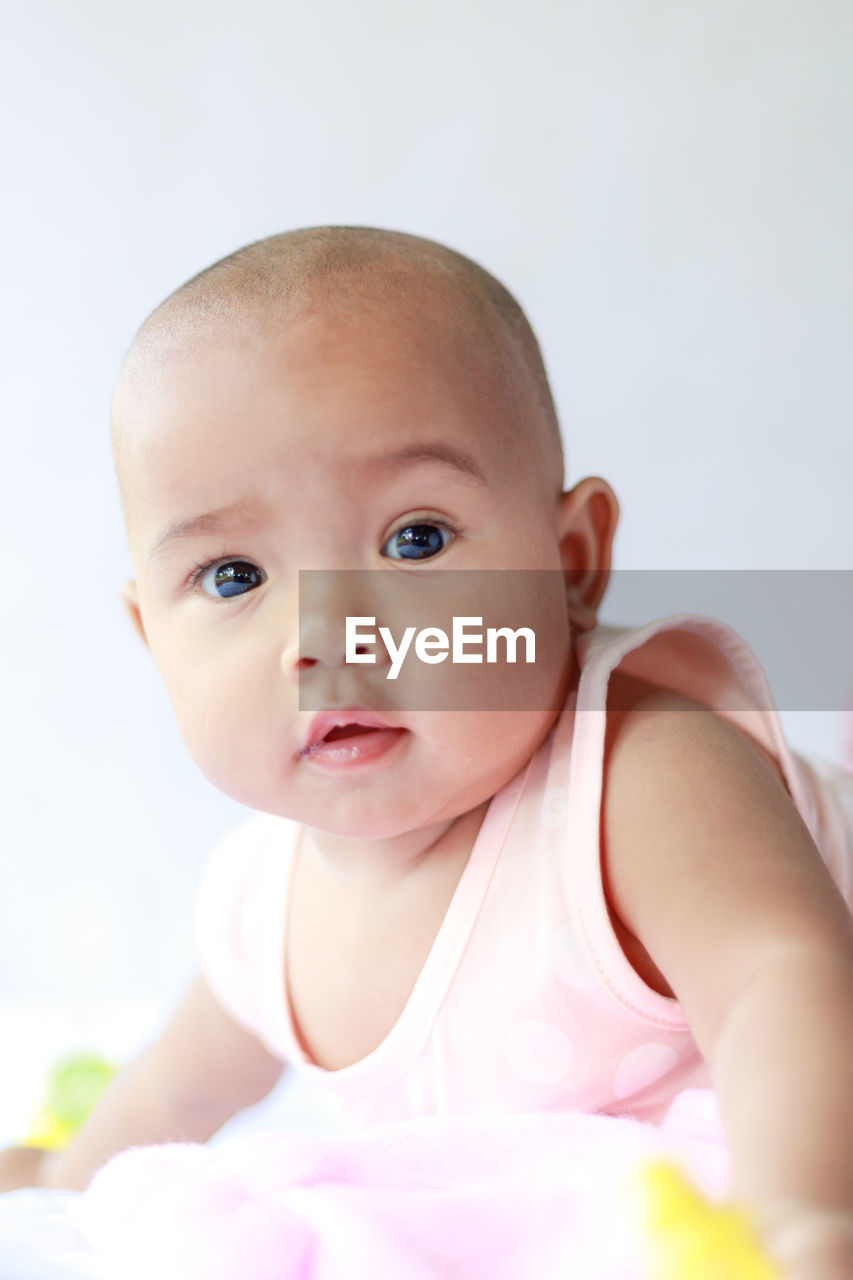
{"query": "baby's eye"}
pixel 417 542
pixel 228 578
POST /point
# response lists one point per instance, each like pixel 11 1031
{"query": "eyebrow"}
pixel 433 451
pixel 209 522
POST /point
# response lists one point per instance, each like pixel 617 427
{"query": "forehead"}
pixel 218 411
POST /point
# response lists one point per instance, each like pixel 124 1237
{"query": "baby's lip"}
pixel 335 717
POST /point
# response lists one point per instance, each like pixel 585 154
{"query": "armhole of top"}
pixel 705 660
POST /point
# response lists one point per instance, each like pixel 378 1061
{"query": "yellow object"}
pixel 692 1239
pixel 48 1132
pixel 74 1086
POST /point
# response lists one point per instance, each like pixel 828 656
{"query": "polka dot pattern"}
pixel 641 1067
pixel 538 1052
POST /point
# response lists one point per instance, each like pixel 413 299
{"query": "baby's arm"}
pixel 182 1088
pixel 710 866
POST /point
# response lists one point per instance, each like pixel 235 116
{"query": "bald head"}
pixel 271 282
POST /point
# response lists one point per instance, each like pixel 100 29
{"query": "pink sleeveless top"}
pixel 526 1000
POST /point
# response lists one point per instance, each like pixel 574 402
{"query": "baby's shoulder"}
pixel 628 696
pixel 707 863
pixel 241 870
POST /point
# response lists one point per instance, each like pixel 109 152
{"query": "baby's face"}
pixel 319 446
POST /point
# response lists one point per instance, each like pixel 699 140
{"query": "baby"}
pixel 628 886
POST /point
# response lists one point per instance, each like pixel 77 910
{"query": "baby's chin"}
pixel 367 815
pixel 357 824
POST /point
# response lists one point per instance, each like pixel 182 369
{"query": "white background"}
pixel 666 187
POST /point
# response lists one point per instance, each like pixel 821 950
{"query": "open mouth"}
pixel 347 731
pixel 352 744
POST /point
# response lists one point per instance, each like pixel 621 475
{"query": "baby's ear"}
pixel 130 600
pixel 587 518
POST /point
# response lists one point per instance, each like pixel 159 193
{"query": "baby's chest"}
pixel 350 975
pixel 342 1007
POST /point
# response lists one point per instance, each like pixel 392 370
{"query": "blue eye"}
pixel 228 578
pixel 417 542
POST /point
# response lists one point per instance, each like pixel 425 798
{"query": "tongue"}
pixel 347 731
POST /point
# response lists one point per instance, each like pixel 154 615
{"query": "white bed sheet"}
pixel 39 1235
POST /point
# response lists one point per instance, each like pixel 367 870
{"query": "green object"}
pixel 74 1086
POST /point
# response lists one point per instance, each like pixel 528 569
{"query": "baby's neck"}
pixel 374 866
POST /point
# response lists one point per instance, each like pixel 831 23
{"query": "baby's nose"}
pixel 326 599
pixel 318 641
pixel 317 649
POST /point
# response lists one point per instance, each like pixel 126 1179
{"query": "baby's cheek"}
pixel 487 749
pixel 209 720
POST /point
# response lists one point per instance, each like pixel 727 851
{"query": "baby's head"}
pixel 342 398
